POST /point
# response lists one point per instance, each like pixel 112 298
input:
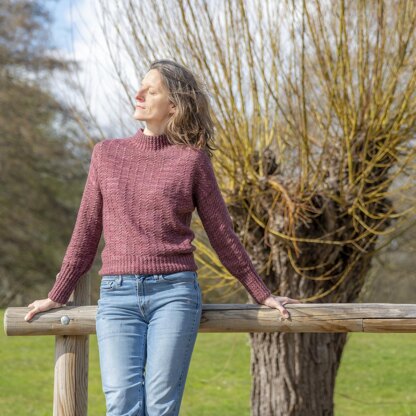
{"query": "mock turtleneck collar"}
pixel 145 141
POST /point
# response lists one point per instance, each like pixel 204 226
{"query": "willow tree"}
pixel 314 104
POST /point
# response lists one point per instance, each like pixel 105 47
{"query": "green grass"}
pixel 377 376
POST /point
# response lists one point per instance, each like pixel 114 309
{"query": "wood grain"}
pixel 319 317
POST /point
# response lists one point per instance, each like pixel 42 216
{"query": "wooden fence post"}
pixel 70 393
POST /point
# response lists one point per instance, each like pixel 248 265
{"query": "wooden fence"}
pixel 73 324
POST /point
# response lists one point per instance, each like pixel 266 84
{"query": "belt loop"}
pixel 119 279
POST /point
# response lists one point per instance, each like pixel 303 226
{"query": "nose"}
pixel 139 96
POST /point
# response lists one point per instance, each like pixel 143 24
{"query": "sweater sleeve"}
pixel 85 238
pixel 218 225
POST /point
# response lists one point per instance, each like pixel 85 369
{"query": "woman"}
pixel 141 191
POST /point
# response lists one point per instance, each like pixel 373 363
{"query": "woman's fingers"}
pixel 287 301
pixel 283 310
pixel 42 305
pixel 290 300
pixel 31 313
pixel 278 302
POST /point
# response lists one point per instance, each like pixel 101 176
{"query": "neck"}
pixel 150 141
pixel 153 131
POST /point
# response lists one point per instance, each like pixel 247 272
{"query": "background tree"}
pixel 43 164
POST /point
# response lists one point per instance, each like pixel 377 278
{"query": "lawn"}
pixel 376 378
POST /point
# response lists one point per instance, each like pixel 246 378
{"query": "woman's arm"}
pixel 86 235
pixel 219 228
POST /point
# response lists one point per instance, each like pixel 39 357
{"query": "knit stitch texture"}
pixel 140 193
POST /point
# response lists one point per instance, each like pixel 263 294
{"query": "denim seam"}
pixel 187 352
pixel 143 375
pixel 141 309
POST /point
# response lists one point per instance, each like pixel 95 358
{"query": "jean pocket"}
pixel 107 285
pixel 108 282
pixel 182 276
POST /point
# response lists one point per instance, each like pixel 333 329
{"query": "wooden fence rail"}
pixel 312 317
pixel 72 324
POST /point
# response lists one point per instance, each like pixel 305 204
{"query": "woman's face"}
pixel 152 104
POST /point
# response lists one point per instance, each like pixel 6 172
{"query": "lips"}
pixel 139 106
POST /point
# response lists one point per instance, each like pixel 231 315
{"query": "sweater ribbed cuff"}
pixel 259 292
pixel 261 298
pixel 65 284
pixel 256 287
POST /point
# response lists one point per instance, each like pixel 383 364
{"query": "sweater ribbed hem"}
pixel 146 265
pixel 68 276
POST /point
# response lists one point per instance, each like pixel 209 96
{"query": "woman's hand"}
pixel 41 305
pixel 278 302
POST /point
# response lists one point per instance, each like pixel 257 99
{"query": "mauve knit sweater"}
pixel 140 192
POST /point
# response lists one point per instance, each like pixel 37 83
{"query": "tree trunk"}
pixel 294 373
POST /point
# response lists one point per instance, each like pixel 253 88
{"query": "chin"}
pixel 138 117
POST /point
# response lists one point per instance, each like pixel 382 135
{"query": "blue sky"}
pixel 62 28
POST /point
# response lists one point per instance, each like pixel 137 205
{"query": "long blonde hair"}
pixel 192 123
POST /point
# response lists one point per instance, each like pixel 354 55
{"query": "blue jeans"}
pixel 146 331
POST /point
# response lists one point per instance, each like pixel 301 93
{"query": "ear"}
pixel 173 109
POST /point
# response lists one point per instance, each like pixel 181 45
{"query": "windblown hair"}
pixel 192 123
